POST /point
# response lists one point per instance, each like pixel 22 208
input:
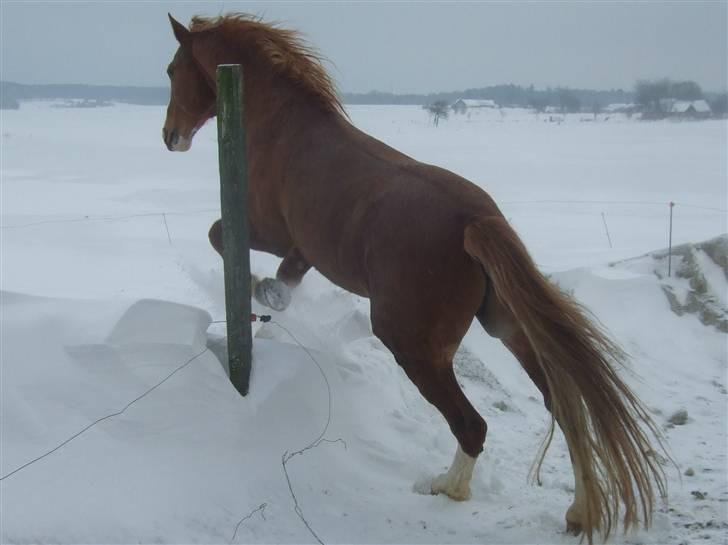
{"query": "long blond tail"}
pixel 605 424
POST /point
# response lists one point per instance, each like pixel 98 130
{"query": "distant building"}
pixel 620 108
pixel 462 105
pixel 691 108
pixel 83 103
pixel 695 109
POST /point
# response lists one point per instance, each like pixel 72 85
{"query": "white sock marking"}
pixel 456 482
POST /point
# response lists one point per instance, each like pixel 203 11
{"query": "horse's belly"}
pixel 355 283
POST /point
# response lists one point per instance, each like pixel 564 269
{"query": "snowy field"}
pixel 109 285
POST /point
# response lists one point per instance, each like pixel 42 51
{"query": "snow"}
pixel 109 287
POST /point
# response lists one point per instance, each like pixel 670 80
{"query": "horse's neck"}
pixel 279 115
pixel 280 118
pixel 272 102
pixel 276 104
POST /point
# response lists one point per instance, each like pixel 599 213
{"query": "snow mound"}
pixel 700 282
pixel 161 322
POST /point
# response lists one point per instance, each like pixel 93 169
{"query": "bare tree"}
pixel 438 110
pixel 8 102
pixel 686 90
pixel 596 109
pixel 538 103
pixel 719 105
pixel 568 101
pixel 650 93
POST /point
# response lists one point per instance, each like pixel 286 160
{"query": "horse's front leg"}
pixel 274 293
pixel 256 242
pixel 293 267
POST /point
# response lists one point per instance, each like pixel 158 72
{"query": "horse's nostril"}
pixel 173 137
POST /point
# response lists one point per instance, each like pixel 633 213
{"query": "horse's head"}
pixel 192 100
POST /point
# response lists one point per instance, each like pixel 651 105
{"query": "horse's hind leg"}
pixel 501 324
pixel 437 383
pixel 469 429
pixel 428 364
pixel 520 347
pixel 421 318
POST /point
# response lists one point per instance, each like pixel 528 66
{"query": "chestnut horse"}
pixel 430 250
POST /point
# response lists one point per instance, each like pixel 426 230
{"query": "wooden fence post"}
pixel 235 236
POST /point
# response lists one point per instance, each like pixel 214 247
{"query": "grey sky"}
pixel 399 47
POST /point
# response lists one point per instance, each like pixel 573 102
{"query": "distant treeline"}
pixel 13 93
pixel 565 99
pixel 503 95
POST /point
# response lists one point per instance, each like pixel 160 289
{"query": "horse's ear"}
pixel 180 32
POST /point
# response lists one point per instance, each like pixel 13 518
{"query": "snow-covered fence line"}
pixel 644 203
pixel 574 229
pixel 163 214
pixel 91 218
pixel 576 233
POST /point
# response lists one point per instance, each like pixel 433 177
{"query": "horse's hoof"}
pixel 441 485
pixel 574 528
pixel 273 294
pixel 574 520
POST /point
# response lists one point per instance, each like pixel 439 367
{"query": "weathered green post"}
pixel 235 237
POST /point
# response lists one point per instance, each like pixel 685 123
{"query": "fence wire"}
pixel 163 215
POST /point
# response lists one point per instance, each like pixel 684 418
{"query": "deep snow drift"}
pixel 109 287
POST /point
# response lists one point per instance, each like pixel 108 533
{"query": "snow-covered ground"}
pixel 109 286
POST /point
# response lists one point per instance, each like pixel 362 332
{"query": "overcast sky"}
pixel 398 47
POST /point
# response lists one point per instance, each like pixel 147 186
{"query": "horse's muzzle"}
pixel 175 141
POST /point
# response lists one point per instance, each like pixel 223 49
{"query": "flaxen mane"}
pixel 285 50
